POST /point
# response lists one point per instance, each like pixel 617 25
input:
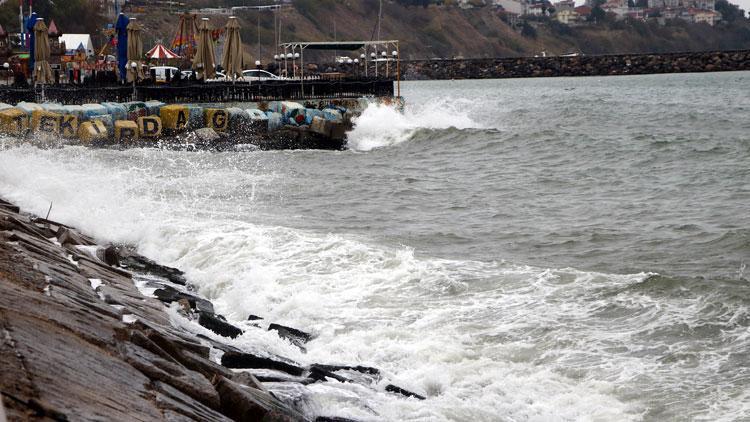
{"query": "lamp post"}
pixel 363 58
pixel 276 60
pixel 6 66
pixel 134 66
pixel 296 56
pixel 374 58
pixel 289 56
pixel 356 67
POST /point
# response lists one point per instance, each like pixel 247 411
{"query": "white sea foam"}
pixel 381 126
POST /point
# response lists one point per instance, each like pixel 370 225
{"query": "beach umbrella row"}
pixel 42 71
pixel 135 52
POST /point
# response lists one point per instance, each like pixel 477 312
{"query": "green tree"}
pixel 729 12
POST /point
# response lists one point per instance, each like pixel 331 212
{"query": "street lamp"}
pixel 134 66
pixel 6 66
pixel 363 57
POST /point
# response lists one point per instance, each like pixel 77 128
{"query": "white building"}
pixel 75 41
pixel 512 6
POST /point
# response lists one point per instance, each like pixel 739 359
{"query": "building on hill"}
pixel 567 16
pixel 512 6
pixel 74 42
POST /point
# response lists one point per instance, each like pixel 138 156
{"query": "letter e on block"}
pixel 45 122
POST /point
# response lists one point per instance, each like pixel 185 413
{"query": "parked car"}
pixel 163 71
pixel 259 75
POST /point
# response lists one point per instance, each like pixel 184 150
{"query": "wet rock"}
pixel 144 265
pixel 363 369
pixel 249 404
pixel 170 294
pixel 68 236
pixel 319 374
pixel 254 318
pixel 398 390
pixel 240 360
pixel 206 136
pixel 222 328
pixel 333 419
pixel 294 335
pixel 110 256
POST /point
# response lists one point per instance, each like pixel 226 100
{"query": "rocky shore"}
pixel 623 64
pixel 97 332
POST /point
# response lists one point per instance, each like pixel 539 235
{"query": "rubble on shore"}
pixel 88 332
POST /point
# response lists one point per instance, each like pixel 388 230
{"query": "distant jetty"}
pixel 578 65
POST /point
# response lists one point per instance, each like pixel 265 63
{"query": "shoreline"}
pixel 93 331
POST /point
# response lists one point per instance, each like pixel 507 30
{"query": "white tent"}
pixel 74 41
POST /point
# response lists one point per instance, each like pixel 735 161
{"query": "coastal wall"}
pixel 624 64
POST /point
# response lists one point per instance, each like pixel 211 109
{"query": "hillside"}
pixel 425 32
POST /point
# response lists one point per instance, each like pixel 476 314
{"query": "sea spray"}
pixel 380 126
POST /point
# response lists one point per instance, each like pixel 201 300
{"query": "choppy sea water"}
pixel 515 250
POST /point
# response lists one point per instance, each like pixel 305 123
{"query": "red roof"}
pixel 161 52
pixel 583 10
pixel 53 28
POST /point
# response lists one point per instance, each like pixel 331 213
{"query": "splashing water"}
pixel 381 126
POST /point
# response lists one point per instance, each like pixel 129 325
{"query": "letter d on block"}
pixel 149 127
pixel 125 131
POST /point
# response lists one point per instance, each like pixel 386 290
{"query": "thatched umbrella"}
pixel 232 60
pixel 42 71
pixel 135 51
pixel 204 62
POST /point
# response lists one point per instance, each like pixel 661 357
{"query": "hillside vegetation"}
pixel 424 32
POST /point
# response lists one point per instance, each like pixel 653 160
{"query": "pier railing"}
pixel 219 92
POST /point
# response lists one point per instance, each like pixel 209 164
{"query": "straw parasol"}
pixel 42 71
pixel 135 51
pixel 232 60
pixel 204 61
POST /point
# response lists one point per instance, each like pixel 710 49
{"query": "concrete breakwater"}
pixel 98 332
pixel 623 64
pixel 267 125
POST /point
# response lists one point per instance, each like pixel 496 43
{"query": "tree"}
pixel 528 31
pixel 729 12
pixel 597 14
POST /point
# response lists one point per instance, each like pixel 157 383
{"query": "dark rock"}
pixel 292 334
pixel 333 419
pixel 319 374
pixel 239 360
pixel 254 318
pixel 111 257
pixel 218 326
pixel 398 390
pixel 68 236
pixel 363 369
pixel 142 264
pixel 170 294
pixel 249 404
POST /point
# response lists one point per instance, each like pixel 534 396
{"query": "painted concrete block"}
pixel 107 120
pixel 45 122
pixel 332 114
pixel 4 106
pixel 149 127
pixel 28 107
pixel 321 126
pixel 53 107
pixel 196 118
pixel 256 114
pixel 92 131
pixel 174 117
pixel 75 110
pixel 135 109
pixel 14 122
pixel 116 110
pixel 311 113
pixel 69 126
pixel 91 110
pixel 216 119
pixel 153 107
pixel 126 131
pixel 275 120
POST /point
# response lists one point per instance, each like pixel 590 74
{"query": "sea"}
pixel 549 249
